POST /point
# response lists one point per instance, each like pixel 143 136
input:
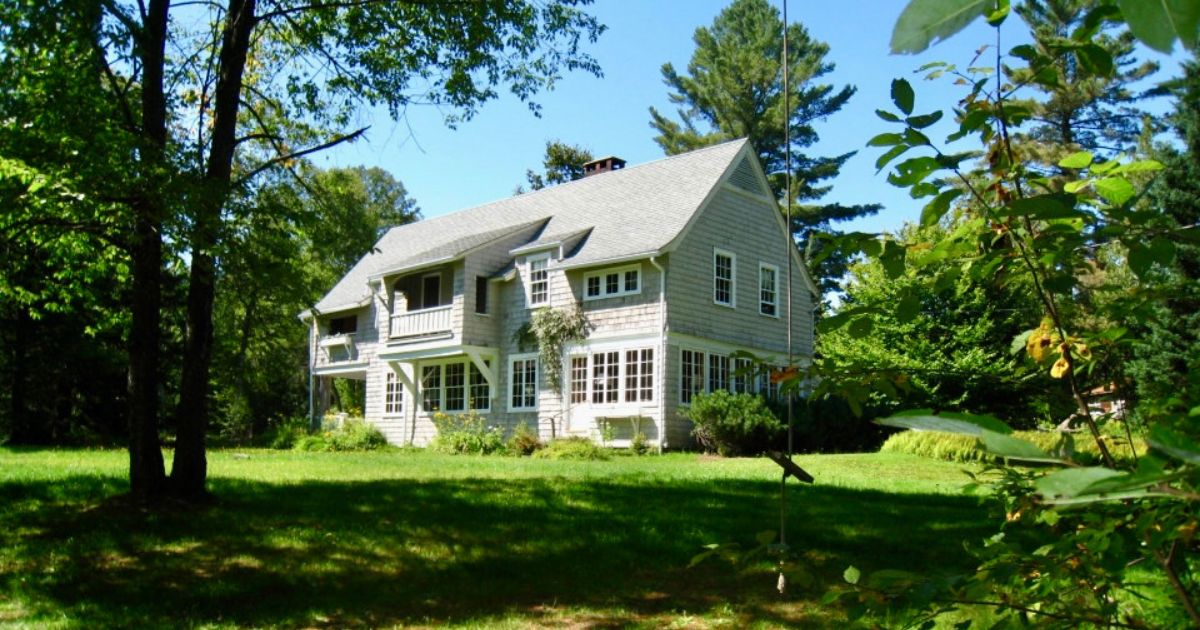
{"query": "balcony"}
pixel 339 348
pixel 426 322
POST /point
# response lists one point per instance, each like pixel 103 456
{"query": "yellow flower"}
pixel 1059 368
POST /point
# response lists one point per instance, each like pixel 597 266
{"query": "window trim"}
pixel 717 252
pixel 763 266
pixel 392 385
pixel 621 291
pixel 621 392
pixel 529 260
pixel 537 373
pixel 441 364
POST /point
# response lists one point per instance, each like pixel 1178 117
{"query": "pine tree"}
pixel 563 163
pixel 734 88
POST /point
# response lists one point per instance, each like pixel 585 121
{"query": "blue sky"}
pixel 485 158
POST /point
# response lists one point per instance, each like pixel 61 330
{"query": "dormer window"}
pixel 612 283
pixel 539 281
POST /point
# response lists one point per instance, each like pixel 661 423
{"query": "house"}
pixel 676 264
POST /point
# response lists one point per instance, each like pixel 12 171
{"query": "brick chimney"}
pixel 603 165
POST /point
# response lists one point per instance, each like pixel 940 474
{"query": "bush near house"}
pixel 574 448
pixel 466 434
pixel 354 435
pixel 733 424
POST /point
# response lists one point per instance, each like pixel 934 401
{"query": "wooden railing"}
pixel 427 321
pixel 338 348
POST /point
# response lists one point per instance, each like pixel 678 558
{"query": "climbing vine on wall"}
pixel 551 329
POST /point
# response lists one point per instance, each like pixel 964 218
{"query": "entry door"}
pixel 431 290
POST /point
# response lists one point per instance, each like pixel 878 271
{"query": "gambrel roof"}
pixel 625 214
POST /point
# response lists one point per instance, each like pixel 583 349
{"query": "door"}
pixel 431 290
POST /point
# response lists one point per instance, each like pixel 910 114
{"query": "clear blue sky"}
pixel 486 158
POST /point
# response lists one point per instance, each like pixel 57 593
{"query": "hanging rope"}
pixel 781 584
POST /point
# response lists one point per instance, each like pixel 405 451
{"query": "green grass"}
pixel 414 538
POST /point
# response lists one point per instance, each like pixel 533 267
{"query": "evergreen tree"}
pixel 734 88
pixel 563 163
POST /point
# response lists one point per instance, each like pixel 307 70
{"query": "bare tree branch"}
pixel 298 154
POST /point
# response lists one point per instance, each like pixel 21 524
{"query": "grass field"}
pixel 414 538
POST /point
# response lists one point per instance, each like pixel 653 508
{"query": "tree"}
pixel 563 163
pixel 734 88
pixel 252 86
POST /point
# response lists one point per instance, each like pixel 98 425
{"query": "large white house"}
pixel 676 264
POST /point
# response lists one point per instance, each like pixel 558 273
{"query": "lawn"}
pixel 414 538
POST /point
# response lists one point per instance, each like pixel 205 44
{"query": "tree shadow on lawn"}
pixel 547 550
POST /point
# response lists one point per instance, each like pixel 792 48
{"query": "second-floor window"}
pixel 539 281
pixel 612 283
pixel 481 295
pixel 724 278
pixel 343 325
pixel 768 293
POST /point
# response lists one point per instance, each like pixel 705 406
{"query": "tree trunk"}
pixel 191 468
pixel 146 473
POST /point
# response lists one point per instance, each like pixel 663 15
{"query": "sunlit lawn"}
pixel 412 538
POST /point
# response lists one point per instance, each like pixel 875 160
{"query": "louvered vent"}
pixel 743 177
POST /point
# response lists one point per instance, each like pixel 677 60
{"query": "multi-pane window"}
pixel 523 377
pixel 639 375
pixel 767 384
pixel 606 377
pixel 742 376
pixel 456 387
pixel 579 384
pixel 723 278
pixel 539 281
pixel 768 294
pixel 612 283
pixel 718 372
pixel 691 381
pixel 431 388
pixel 481 394
pixel 393 399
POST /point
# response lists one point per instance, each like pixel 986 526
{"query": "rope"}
pixel 781 584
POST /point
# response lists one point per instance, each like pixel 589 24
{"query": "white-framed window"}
pixel 614 282
pixel 718 372
pixel 639 375
pixel 579 379
pixel 523 380
pixel 454 386
pixel 539 280
pixel 606 377
pixel 743 376
pixel 768 289
pixel 691 375
pixel 393 397
pixel 724 278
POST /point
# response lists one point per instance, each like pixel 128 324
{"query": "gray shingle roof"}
pixel 637 210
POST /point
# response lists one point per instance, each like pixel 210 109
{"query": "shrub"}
pixel 353 435
pixel 283 436
pixel 964 448
pixel 576 448
pixel 732 424
pixel 524 441
pixel 638 445
pixel 465 433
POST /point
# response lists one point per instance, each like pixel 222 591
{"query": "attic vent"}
pixel 743 177
pixel 603 165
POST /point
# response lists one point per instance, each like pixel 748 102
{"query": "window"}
pixel 523 377
pixel 539 281
pixel 431 388
pixel 768 294
pixel 456 387
pixel 724 278
pixel 393 400
pixel 343 325
pixel 481 392
pixel 743 376
pixel 579 372
pixel 767 386
pixel 431 290
pixel 718 372
pixel 612 283
pixel 481 295
pixel 639 375
pixel 606 377
pixel 691 375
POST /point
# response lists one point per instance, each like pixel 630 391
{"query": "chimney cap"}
pixel 603 165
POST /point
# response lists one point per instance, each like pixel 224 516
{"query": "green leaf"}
pixel 1045 207
pixel 852 574
pixel 890 155
pixel 1174 444
pixel 861 327
pixel 1162 251
pixel 925 21
pixel 1157 23
pixel 888 116
pixel 937 208
pixel 1071 482
pixel 902 95
pixel 1141 260
pixel 1010 447
pixel 885 140
pixel 1115 190
pixel 946 421
pixel 996 17
pixel 1018 342
pixel 1095 60
pixel 1080 159
pixel 913 171
pixel 892 259
pixel 907 309
pixel 924 120
pixel 1140 166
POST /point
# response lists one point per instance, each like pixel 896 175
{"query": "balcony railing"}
pixel 339 348
pixel 425 322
